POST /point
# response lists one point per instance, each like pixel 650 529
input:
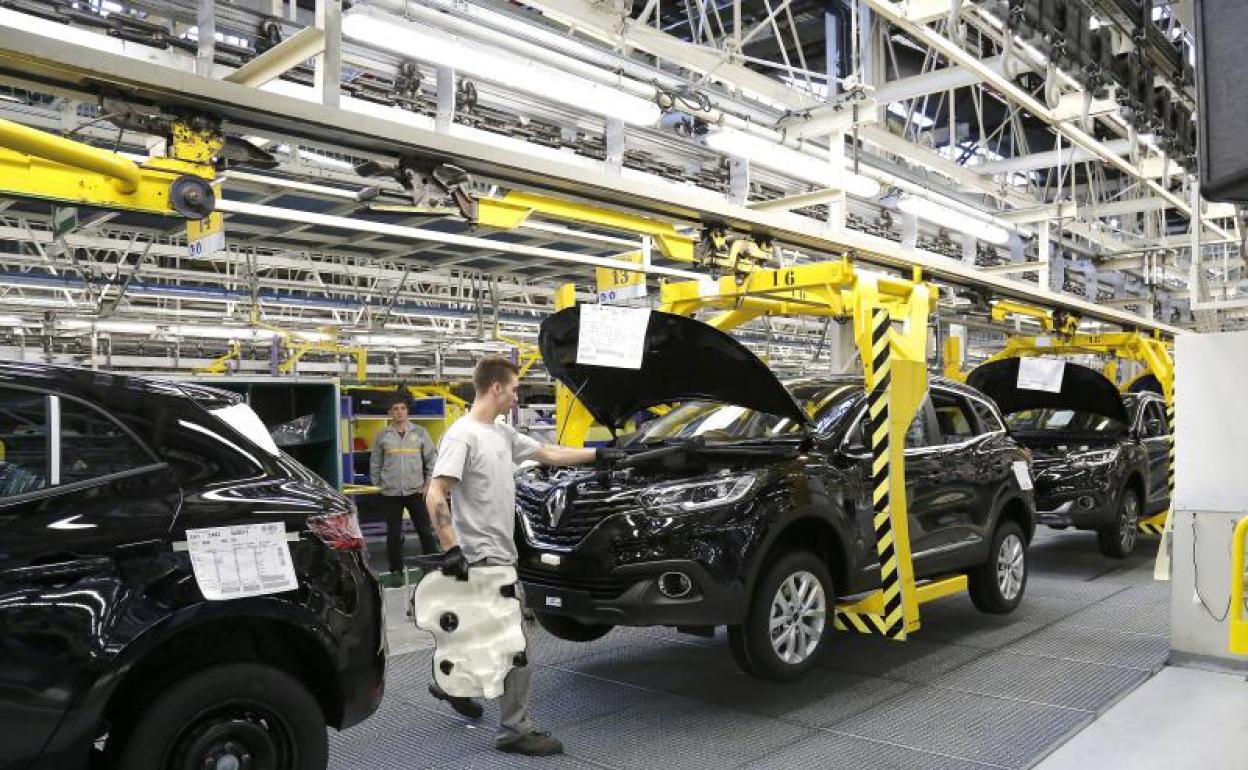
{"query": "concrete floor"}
pixel 969 691
pixel 1180 718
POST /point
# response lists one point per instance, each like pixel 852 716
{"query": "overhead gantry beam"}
pixel 27 56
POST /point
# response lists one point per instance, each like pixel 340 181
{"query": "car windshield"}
pixel 1067 420
pixel 716 422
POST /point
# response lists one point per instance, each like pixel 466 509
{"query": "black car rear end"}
pixel 108 643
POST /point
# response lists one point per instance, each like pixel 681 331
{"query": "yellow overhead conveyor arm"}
pixel 37 164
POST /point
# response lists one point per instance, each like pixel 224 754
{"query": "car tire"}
pixel 1117 541
pixel 232 709
pixel 996 586
pixel 570 629
pixel 780 641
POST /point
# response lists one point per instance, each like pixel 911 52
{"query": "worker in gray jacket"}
pixel 402 461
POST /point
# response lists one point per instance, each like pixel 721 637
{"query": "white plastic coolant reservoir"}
pixel 476 627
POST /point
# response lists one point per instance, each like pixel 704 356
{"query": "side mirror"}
pixel 855 443
pixel 1153 427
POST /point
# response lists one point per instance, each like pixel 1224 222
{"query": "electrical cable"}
pixel 1196 579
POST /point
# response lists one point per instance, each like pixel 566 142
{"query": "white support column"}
pixel 446 99
pixel 206 27
pixel 836 160
pixel 1044 248
pixel 328 76
pixel 615 145
pixel 738 180
pixel 970 247
pixel 909 230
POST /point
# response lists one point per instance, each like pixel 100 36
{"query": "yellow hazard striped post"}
pixel 890 622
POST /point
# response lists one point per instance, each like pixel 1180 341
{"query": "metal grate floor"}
pixel 971 691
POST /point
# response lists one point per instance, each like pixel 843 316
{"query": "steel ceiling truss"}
pixel 725 50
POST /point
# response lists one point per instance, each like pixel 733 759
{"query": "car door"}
pixel 920 475
pixel 81 503
pixel 1155 436
pixel 962 482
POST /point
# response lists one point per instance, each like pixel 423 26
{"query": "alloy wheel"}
pixel 1128 522
pixel 798 613
pixel 1011 558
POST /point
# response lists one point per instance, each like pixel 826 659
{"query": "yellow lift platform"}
pixel 890 317
pixel 1061 337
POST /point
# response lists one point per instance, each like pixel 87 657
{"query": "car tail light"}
pixel 340 531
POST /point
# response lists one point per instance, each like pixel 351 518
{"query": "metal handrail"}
pixel 1237 621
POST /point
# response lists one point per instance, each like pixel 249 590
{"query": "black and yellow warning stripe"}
pixel 891 622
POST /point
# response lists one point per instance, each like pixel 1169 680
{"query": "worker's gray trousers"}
pixel 513 704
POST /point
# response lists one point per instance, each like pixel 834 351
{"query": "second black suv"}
pixel 1102 458
pixel 115 650
pixel 749 506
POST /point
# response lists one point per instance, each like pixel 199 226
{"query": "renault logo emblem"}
pixel 556 504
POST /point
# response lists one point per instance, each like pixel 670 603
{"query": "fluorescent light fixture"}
pixel 940 215
pixel 222 332
pixel 813 167
pixel 312 336
pixel 117 327
pixel 387 341
pixel 405 38
pixel 325 161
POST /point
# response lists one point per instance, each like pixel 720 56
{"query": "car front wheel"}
pixel 571 630
pixel 997 586
pixel 1118 540
pixel 788 621
pixel 238 715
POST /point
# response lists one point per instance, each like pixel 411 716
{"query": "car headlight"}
pixel 1099 457
pixel 678 499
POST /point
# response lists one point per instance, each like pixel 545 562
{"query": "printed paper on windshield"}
pixel 241 561
pixel 1041 374
pixel 612 336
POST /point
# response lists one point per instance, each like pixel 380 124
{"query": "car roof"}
pixel 81 381
pixel 857 379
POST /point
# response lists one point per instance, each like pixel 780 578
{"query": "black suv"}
pixel 109 652
pixel 749 494
pixel 1102 458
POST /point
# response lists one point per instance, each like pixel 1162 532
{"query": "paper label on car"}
pixel 554 601
pixel 612 336
pixel 240 561
pixel 1041 374
pixel 1023 474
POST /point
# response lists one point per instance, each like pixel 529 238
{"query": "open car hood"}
pixel 684 360
pixel 1083 390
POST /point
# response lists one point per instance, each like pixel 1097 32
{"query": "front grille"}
pixel 589 505
pixel 597 587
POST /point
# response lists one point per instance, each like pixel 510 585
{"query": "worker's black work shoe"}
pixel 463 706
pixel 534 744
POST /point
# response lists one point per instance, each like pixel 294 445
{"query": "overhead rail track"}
pixel 27 58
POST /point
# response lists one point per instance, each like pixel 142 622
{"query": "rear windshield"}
pixel 1062 420
pixel 717 422
pixel 241 418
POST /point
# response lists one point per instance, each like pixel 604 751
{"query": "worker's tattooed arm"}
pixel 438 503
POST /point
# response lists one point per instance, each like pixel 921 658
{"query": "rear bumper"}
pixel 630 595
pixel 362 667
